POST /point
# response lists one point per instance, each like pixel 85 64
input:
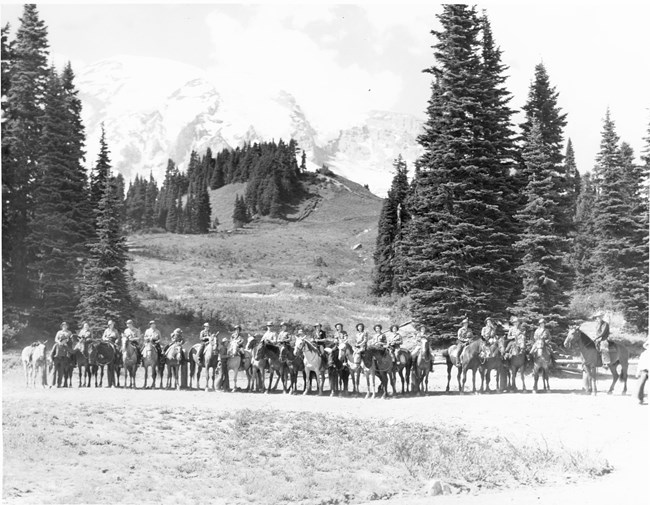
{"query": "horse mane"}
pixel 586 339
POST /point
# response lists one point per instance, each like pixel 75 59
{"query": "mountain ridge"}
pixel 153 110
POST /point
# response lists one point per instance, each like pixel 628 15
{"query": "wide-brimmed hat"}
pixel 129 321
pixel 283 323
pixel 465 320
pixel 64 323
pixel 317 324
pixel 488 319
pixel 152 322
pixel 377 326
pixel 177 331
pixel 514 319
pixel 600 313
pixel 237 326
pixel 269 323
pixel 394 326
pixel 360 324
pixel 338 324
pixel 206 325
pixel 541 320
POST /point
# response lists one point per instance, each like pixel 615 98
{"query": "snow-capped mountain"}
pixel 155 109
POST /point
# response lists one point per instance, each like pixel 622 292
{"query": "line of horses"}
pixel 341 363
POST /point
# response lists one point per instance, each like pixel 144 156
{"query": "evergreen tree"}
pixel 240 213
pixel 57 237
pixel 541 248
pixel 203 211
pixel 385 281
pixel 24 82
pixel 151 194
pixel 105 289
pixel 585 242
pixel 171 224
pixel 620 256
pixel 303 162
pixel 100 171
pixel 456 252
pixel 573 182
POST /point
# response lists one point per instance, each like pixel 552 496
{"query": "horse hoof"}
pixel 534 391
pixel 609 392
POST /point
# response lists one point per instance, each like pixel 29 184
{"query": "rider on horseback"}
pixel 361 343
pixel 62 338
pixel 340 336
pixel 110 334
pixel 394 342
pixel 517 336
pixel 236 337
pixel 84 332
pixel 464 336
pixel 379 339
pixel 133 336
pixel 176 338
pixel 152 334
pixel 205 338
pixel 283 337
pixel 602 338
pixel 542 339
pixel 269 337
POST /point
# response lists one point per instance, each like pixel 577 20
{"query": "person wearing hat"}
pixel 489 331
pixel 110 334
pixel 62 338
pixel 133 335
pixel 283 337
pixel 516 335
pixel 152 334
pixel 602 338
pixel 237 337
pixel 176 338
pixel 319 333
pixel 340 335
pixel 204 336
pixel 270 336
pixel 642 368
pixel 394 341
pixel 541 338
pixel 361 342
pixel 379 338
pixel 463 338
pixel 85 332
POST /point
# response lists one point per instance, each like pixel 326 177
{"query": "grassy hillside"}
pixel 303 269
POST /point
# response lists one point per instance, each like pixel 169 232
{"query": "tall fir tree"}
pixel 240 212
pixel 24 82
pixel 105 289
pixel 541 248
pixel 151 194
pixel 584 243
pixel 203 211
pixel 620 256
pixel 100 172
pixel 385 280
pixel 456 254
pixel 58 234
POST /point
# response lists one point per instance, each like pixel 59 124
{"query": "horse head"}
pixel 175 352
pixel 572 336
pixel 38 352
pixel 232 348
pixel 425 347
pixel 300 344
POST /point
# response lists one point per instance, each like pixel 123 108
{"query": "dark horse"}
pixel 81 354
pixel 337 371
pixel 100 355
pixel 541 356
pixel 403 364
pixel 591 359
pixel 469 360
pixel 376 361
pixel 492 359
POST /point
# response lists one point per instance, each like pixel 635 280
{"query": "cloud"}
pixel 298 50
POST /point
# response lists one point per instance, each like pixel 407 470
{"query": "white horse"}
pixel 236 363
pixel 35 364
pixel 314 362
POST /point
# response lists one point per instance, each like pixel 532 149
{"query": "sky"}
pixel 340 61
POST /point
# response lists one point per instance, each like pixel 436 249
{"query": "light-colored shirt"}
pixel 133 334
pixel 269 336
pixel 62 336
pixel 152 335
pixel 110 335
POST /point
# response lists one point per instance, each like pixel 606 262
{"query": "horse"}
pixel 271 353
pixel 294 363
pixel 81 352
pixel 337 372
pixel 313 361
pixel 402 367
pixel 150 361
pixel 235 362
pixel 351 360
pixel 61 365
pixel 422 365
pixel 102 354
pixel 516 360
pixel 195 365
pixel 35 363
pixel 591 359
pixel 376 361
pixel 492 359
pixel 130 361
pixel 259 364
pixel 210 362
pixel 541 357
pixel 173 360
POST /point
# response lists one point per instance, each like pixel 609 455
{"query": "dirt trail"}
pixel 613 425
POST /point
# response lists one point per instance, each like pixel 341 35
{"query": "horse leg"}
pixel 624 377
pixel 535 378
pixel 521 372
pixel 474 380
pixel 614 378
pixel 594 379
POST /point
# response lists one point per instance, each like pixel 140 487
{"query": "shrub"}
pixel 320 262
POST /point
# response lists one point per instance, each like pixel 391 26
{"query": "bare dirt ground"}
pixel 89 445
